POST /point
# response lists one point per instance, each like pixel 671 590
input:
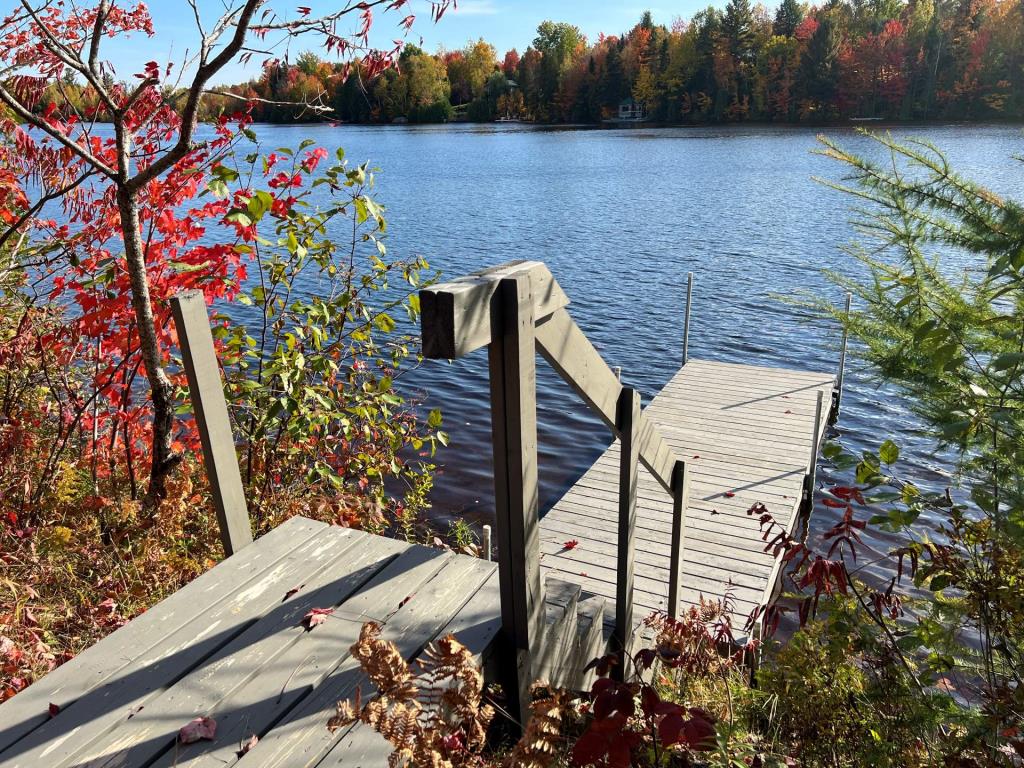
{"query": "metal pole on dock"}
pixel 812 467
pixel 487 543
pixel 618 372
pixel 686 319
pixel 842 355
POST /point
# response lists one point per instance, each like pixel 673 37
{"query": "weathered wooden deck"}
pixel 746 435
pixel 232 645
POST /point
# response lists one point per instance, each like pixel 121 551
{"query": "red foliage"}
pixel 805 29
pixel 618 726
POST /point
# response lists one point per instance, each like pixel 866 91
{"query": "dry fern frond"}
pixel 541 742
pixel 383 664
pixel 436 720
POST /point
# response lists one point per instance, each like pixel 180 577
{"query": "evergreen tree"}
pixel 819 72
pixel 738 27
pixel 788 16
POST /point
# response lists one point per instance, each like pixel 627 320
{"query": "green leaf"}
pixel 889 452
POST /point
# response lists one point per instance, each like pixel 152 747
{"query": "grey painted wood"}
pixel 260 571
pixel 176 647
pixel 513 385
pixel 680 498
pixel 251 681
pixel 729 423
pixel 456 316
pixel 407 575
pixel 628 423
pixel 206 393
pixel 302 739
pixel 567 349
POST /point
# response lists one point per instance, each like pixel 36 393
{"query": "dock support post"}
pixel 513 377
pixel 680 500
pixel 837 398
pixel 211 413
pixel 812 467
pixel 486 544
pixel 686 318
pixel 628 424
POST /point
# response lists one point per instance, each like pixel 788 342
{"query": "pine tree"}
pixel 787 18
pixel 819 71
pixel 738 27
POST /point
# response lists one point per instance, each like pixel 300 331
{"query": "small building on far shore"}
pixel 631 109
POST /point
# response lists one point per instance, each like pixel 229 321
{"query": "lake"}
pixel 620 217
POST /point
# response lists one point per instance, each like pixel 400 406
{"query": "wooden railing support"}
pixel 812 466
pixel 680 500
pixel 837 395
pixel 211 412
pixel 513 378
pixel 686 318
pixel 628 423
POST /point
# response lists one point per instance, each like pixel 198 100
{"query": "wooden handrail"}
pixel 516 310
pixel 457 316
pixel 568 350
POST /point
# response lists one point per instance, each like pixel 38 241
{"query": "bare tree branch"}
pixel 312 106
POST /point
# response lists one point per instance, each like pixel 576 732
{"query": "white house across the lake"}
pixel 631 109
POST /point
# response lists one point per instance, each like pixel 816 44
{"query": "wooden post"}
pixel 686 319
pixel 680 500
pixel 513 376
pixel 837 400
pixel 487 543
pixel 628 424
pixel 812 467
pixel 211 412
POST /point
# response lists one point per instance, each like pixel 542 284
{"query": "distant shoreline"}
pixel 849 123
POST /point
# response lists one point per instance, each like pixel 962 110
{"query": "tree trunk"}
pixel 161 392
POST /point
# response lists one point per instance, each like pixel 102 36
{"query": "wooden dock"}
pixel 659 520
pixel 746 435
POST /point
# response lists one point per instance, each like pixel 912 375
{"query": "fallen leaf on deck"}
pixel 571 544
pixel 292 591
pixel 728 494
pixel 200 728
pixel 54 710
pixel 316 616
pixel 696 455
pixel 714 511
pixel 248 744
pixel 788 411
pixel 405 600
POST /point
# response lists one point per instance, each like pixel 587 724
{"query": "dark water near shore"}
pixel 620 217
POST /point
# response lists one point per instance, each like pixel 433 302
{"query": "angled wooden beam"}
pixel 568 350
pixel 456 316
pixel 211 412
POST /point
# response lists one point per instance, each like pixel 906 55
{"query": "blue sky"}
pixel 504 23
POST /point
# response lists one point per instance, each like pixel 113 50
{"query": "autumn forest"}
pixel 886 59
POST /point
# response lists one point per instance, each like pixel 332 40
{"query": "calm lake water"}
pixel 620 217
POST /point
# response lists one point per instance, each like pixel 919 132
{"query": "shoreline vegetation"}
pixel 887 60
pixel 104 510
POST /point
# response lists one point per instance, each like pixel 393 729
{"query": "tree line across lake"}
pixel 889 59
